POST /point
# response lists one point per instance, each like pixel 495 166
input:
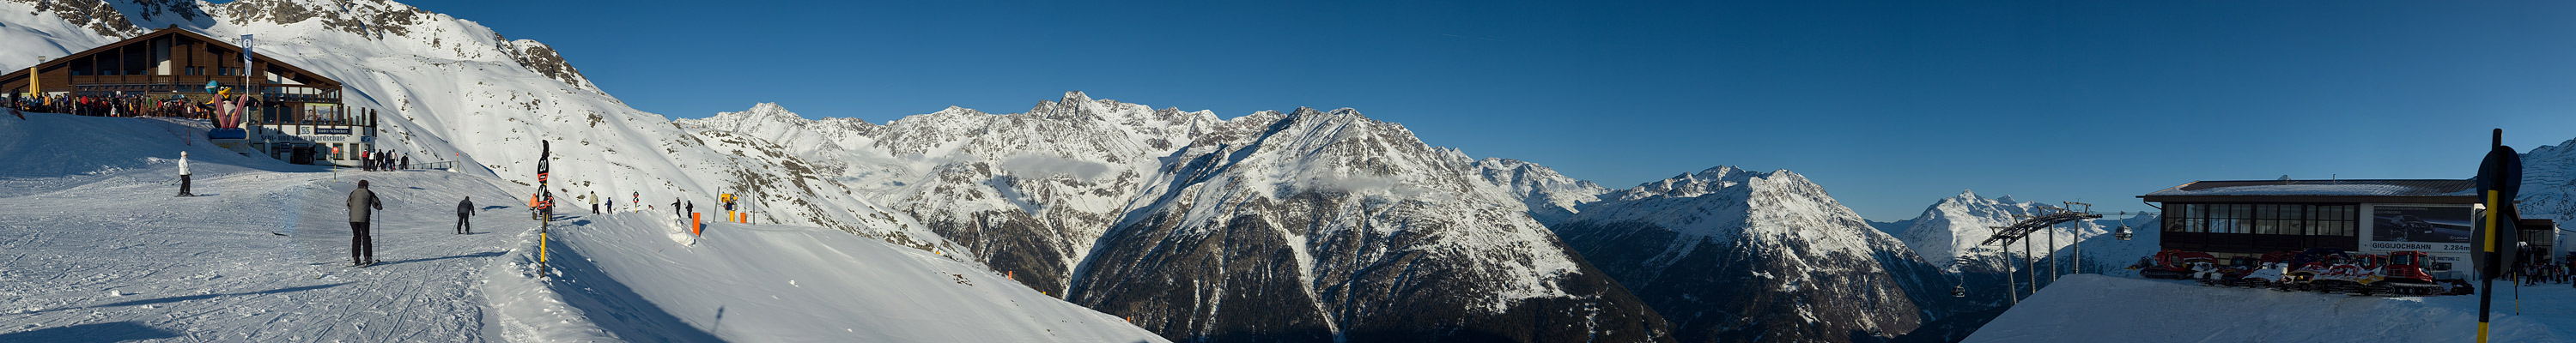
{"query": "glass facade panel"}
pixel 2332 220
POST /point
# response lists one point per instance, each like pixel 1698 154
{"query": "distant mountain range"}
pixel 1304 225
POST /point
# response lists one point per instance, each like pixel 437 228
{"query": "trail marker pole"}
pixel 2499 180
pixel 542 231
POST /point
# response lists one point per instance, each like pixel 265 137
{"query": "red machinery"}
pixel 2173 264
pixel 2320 270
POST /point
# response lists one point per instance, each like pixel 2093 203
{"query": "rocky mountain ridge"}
pixel 1732 255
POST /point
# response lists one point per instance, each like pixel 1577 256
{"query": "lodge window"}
pixel 2336 220
pixel 2265 219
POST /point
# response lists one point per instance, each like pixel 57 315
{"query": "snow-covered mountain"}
pixel 1306 225
pixel 1333 226
pixel 2549 188
pixel 1551 197
pixel 1311 225
pixel 1026 193
pixel 1731 255
pixel 1949 232
pixel 2549 182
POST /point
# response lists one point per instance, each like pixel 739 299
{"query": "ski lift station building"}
pixel 294 115
pixel 2249 218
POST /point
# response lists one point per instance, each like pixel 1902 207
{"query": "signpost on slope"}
pixel 2499 179
pixel 543 224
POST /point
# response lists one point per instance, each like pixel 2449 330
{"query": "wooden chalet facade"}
pixel 296 115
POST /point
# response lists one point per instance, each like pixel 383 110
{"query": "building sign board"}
pixel 331 131
pixel 2440 230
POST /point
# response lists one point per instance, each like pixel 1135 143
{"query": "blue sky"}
pixel 1889 105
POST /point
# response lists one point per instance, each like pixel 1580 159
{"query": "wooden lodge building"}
pixel 2249 218
pixel 295 115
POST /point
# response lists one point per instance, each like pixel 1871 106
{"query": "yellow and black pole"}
pixel 546 222
pixel 2499 178
pixel 2487 283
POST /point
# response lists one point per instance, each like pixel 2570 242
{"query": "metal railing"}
pixel 434 165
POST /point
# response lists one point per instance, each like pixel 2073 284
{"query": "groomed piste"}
pixel 96 248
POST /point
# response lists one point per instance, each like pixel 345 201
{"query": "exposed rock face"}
pixel 542 59
pixel 104 18
pixel 1731 255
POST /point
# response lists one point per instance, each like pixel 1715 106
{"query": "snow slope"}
pixel 453 90
pixel 745 282
pixel 96 249
pixel 2095 308
pixel 104 252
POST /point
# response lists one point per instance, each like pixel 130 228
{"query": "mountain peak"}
pixel 1721 171
pixel 1075 97
pixel 1968 194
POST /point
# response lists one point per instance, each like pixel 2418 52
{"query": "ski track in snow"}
pixel 120 257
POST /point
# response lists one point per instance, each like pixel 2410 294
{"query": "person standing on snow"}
pixel 362 248
pixel 184 175
pixel 464 209
pixel 594 202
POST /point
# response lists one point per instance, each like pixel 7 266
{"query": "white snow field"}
pixel 2095 308
pixel 93 247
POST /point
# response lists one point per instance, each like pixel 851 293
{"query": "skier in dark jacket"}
pixel 362 202
pixel 464 209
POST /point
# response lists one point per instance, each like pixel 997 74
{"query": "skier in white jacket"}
pixel 183 175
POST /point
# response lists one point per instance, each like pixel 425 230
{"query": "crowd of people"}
pixel 2539 269
pixel 377 160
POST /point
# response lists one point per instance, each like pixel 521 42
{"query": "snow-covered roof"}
pixel 2374 188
